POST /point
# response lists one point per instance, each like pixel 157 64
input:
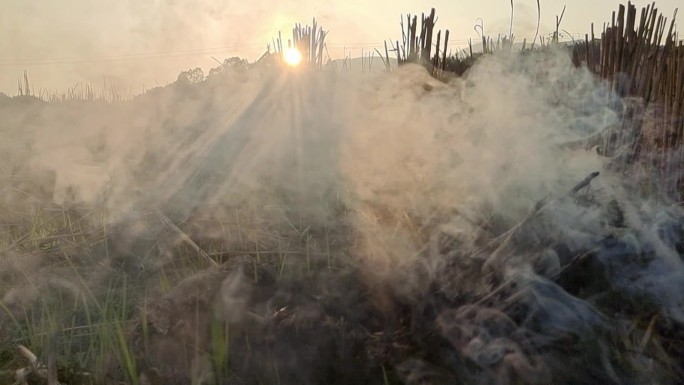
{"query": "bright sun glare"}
pixel 292 57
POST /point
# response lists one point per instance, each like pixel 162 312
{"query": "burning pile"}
pixel 304 228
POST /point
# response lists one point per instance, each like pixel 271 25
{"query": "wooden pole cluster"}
pixel 309 40
pixel 417 47
pixel 641 58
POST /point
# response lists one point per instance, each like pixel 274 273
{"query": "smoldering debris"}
pixel 306 228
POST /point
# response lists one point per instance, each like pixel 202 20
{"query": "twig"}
pixel 16 243
pixel 505 239
pixel 584 183
pixel 167 222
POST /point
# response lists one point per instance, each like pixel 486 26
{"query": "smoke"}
pixel 471 189
pixel 477 151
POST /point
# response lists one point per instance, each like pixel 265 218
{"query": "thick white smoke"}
pixel 403 161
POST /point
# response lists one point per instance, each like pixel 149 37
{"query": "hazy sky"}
pixel 131 43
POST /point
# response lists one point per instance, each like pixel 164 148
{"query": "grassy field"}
pixel 504 218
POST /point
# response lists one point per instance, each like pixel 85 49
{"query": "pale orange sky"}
pixel 131 43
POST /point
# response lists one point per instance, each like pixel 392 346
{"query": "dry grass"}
pixel 88 302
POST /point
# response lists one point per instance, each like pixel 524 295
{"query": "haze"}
pixel 136 45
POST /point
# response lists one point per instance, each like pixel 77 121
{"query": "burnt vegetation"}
pixel 584 288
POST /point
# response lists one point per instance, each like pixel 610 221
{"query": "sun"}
pixel 292 57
